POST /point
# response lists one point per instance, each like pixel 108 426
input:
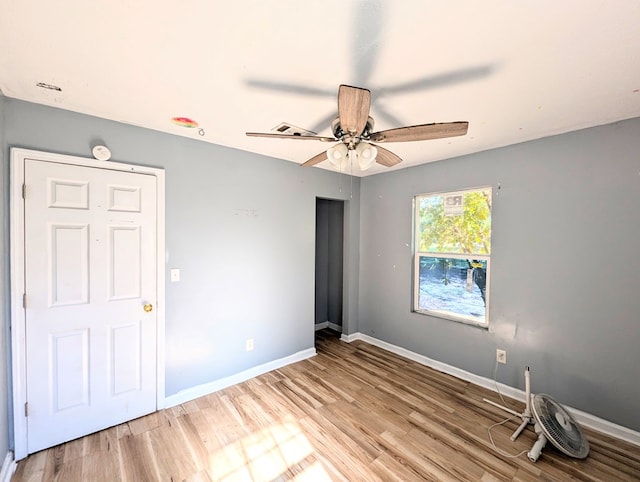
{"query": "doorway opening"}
pixel 329 265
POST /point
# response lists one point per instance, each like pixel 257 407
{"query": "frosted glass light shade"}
pixel 337 156
pixel 366 155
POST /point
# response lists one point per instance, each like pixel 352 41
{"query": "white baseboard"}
pixel 207 388
pixel 586 419
pixel 350 338
pixel 329 324
pixel 8 468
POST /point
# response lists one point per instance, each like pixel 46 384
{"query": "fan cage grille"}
pixel 571 441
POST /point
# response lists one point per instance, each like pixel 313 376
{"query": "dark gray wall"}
pixel 336 222
pixel 565 267
pixel 240 226
pixel 329 260
pixel 322 261
pixel 4 297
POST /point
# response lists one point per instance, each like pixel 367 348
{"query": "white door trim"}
pixel 17 280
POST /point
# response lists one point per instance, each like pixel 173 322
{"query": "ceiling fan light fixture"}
pixel 366 155
pixel 338 156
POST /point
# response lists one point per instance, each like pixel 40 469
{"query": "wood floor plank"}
pixel 363 428
pixel 314 389
pixel 101 466
pixel 341 454
pixel 355 412
pixel 53 463
pixel 474 452
pixel 333 420
pixel 330 387
pixel 406 450
pixel 390 467
pixel 137 459
pixel 445 458
pixel 34 470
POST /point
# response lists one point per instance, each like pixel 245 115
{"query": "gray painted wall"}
pixel 329 260
pixel 5 432
pixel 565 267
pixel 240 226
pixel 565 270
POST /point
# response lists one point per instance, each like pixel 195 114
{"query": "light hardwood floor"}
pixel 354 412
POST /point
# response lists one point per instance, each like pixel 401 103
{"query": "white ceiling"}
pixel 515 70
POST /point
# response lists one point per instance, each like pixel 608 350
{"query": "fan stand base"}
pixel 526 416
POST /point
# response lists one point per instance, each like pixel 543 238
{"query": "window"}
pixel 452 255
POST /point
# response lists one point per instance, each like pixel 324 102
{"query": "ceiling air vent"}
pixel 44 85
pixel 286 128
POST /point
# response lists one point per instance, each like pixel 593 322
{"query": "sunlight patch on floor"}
pixel 278 451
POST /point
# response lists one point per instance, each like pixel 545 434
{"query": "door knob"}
pixel 148 308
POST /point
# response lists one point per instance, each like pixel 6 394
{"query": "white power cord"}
pixel 501 452
pixel 495 382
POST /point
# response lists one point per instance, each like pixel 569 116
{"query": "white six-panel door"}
pixel 90 283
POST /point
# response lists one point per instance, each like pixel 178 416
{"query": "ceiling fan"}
pixel 353 130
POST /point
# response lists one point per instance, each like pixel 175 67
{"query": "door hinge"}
pixel 26 409
pixel 24 191
pixel 24 301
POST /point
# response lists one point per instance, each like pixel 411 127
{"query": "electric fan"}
pixel 551 422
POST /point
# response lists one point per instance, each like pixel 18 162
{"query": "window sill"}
pixel 451 317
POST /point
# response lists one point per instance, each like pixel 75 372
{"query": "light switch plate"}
pixel 175 275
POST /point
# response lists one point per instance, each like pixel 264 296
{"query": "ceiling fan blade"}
pixel 387 158
pixel 315 159
pixel 354 104
pixel 291 136
pixel 422 132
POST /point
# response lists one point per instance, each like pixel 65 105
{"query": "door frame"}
pixel 17 277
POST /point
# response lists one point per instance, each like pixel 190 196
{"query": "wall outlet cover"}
pixel 501 356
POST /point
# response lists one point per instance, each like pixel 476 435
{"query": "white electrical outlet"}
pixel 501 356
pixel 249 344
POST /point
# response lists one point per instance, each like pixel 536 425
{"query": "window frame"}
pixel 419 254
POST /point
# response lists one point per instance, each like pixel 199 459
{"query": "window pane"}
pixel 454 287
pixel 455 222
